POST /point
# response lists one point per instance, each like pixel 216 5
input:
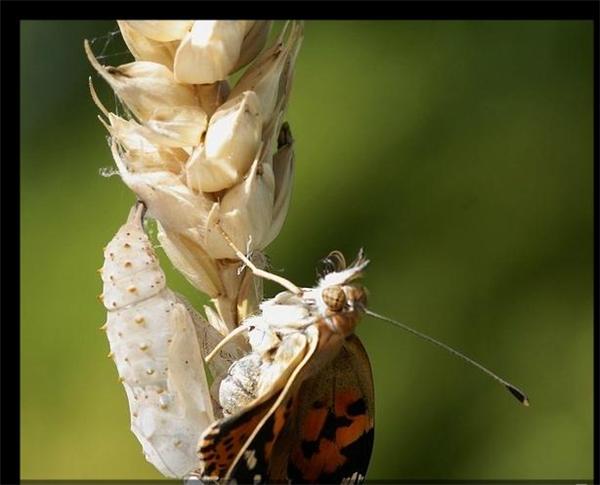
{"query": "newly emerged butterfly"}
pixel 158 343
pixel 300 406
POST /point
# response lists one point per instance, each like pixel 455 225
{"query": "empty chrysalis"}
pixel 154 344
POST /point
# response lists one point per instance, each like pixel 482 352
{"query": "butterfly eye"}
pixel 334 297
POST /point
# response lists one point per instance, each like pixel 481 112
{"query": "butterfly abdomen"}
pixel 238 388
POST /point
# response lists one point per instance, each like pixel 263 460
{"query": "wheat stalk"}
pixel 204 157
pixel 198 152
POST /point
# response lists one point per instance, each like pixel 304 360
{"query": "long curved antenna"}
pixel 514 390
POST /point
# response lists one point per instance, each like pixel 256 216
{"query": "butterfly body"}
pixel 299 407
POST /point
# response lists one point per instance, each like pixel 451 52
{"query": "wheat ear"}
pixel 205 158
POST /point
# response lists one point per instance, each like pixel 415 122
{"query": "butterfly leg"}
pixel 257 271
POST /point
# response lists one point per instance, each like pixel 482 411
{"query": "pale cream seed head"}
pixel 210 51
pixel 161 30
pixel 232 140
pixel 144 48
pixel 200 153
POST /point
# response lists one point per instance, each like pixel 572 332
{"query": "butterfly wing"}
pixel 240 446
pixel 318 429
pixel 264 460
pixel 225 439
pixel 334 422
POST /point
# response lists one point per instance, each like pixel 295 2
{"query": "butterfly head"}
pixel 341 299
pixel 344 298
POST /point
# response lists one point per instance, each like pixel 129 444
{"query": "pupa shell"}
pixel 154 344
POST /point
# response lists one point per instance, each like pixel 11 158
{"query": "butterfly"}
pixel 300 406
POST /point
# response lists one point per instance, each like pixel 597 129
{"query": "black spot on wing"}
pixel 332 423
pixel 294 473
pixel 207 448
pixel 309 448
pixel 210 469
pixel 357 408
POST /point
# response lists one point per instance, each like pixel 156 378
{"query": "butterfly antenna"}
pixel 515 391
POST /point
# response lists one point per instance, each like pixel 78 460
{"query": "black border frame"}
pixel 13 12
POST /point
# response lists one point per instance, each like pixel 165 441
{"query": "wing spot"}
pixel 357 408
pixel 250 457
pixel 309 448
pixel 206 448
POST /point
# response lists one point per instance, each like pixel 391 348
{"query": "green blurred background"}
pixel 459 154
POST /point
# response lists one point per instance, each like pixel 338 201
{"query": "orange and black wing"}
pixel 242 446
pixel 222 442
pixel 334 421
pixel 265 458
